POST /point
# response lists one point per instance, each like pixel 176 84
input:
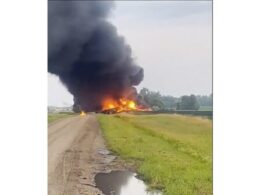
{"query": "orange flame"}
pixel 120 105
pixel 82 113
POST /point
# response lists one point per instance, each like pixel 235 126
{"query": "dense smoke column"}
pixel 88 55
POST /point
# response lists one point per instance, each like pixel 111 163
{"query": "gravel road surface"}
pixel 75 154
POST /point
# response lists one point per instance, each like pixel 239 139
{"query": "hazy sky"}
pixel 171 40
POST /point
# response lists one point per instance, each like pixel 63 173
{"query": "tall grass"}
pixel 172 152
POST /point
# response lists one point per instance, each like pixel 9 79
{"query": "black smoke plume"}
pixel 88 55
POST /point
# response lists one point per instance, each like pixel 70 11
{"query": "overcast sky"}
pixel 171 40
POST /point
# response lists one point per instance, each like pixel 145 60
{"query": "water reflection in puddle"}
pixel 122 183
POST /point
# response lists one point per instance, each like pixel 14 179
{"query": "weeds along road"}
pixel 73 157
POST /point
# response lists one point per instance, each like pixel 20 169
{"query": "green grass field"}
pixel 56 116
pixel 171 152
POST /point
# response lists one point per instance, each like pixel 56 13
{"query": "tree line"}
pixel 166 102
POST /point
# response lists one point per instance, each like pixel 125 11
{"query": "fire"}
pixel 82 113
pixel 131 105
pixel 120 105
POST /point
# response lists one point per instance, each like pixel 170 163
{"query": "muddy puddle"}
pixel 122 183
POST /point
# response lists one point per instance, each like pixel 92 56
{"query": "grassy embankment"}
pixel 56 116
pixel 172 152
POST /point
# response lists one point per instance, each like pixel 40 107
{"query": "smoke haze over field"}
pixel 88 55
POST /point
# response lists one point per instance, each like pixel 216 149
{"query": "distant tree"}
pixel 143 92
pixel 178 106
pixel 169 101
pixel 211 99
pixel 205 100
pixel 153 99
pixel 166 102
pixel 188 103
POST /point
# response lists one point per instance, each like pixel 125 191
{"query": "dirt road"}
pixel 75 154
